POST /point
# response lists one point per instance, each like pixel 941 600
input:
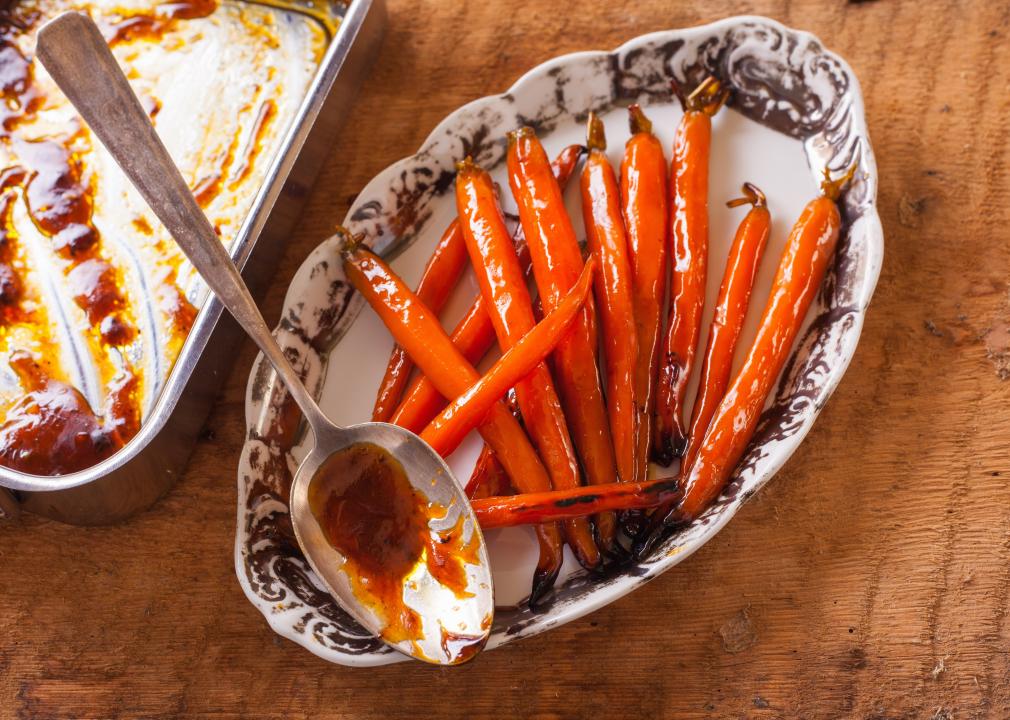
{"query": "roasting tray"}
pixel 147 466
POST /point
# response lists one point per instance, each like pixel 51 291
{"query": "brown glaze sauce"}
pixel 153 24
pixel 373 516
pixel 52 429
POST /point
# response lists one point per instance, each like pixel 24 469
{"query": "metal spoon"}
pixel 453 627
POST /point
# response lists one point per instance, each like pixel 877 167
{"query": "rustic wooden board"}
pixel 869 580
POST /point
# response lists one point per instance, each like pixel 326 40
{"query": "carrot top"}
pixel 596 136
pixel 752 195
pixel 831 189
pixel 637 120
pixel 707 98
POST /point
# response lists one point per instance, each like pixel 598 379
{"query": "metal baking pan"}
pixel 148 465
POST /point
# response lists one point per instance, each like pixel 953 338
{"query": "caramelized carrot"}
pixel 503 286
pixel 689 227
pixel 557 505
pixel 446 431
pixel 800 273
pixel 730 311
pixel 488 478
pixel 474 335
pixel 646 219
pixel 437 281
pixel 557 261
pixel 418 330
pixel 608 242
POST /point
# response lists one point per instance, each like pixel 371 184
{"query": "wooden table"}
pixel 870 579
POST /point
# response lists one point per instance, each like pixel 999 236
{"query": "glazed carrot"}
pixel 474 335
pixel 557 505
pixel 437 281
pixel 646 219
pixel 418 330
pixel 730 311
pixel 488 478
pixel 800 273
pixel 503 286
pixel 689 228
pixel 557 261
pixel 608 242
pixel 463 414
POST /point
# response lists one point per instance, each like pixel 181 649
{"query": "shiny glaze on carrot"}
pixel 559 505
pixel 503 286
pixel 801 271
pixel 608 243
pixel 489 478
pixel 463 414
pixel 646 219
pixel 730 312
pixel 436 283
pixel 474 335
pixel 689 230
pixel 557 261
pixel 418 330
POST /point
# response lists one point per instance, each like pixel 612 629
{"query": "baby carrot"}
pixel 557 505
pixel 474 335
pixel 557 261
pixel 503 286
pixel 418 330
pixel 730 311
pixel 608 242
pixel 446 431
pixel 437 281
pixel 800 273
pixel 646 219
pixel 689 227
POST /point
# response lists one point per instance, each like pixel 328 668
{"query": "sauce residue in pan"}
pixel 90 289
pixel 52 427
pixel 373 516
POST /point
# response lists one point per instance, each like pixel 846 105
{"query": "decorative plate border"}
pixel 781 78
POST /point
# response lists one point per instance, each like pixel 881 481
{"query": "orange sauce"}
pixel 373 516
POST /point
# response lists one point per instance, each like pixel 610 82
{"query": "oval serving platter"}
pixel 795 109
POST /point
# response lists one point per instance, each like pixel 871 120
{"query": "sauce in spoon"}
pixel 373 516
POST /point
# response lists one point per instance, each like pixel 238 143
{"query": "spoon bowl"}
pixel 377 513
pixel 455 619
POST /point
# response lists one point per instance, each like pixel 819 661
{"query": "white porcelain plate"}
pixel 796 109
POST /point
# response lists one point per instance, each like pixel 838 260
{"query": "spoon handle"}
pixel 72 49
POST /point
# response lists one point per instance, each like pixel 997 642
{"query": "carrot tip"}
pixel 596 135
pixel 661 523
pixel 638 121
pixel 543 581
pixel 752 195
pixel 831 189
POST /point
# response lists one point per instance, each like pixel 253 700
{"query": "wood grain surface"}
pixel 869 580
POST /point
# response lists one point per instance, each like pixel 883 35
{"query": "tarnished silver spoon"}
pixel 377 512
